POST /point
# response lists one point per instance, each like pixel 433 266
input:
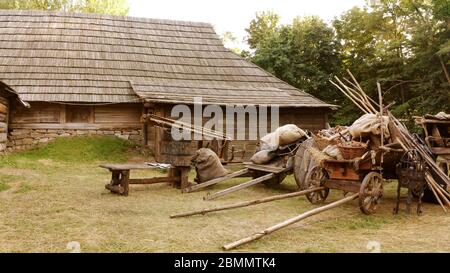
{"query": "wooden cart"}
pixel 363 175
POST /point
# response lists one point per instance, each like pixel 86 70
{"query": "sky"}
pixel 235 15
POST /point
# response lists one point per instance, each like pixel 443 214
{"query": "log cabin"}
pixel 87 74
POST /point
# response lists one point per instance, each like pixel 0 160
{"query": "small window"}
pixel 79 114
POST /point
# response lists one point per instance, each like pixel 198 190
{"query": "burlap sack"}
pixel 263 157
pixel 369 124
pixel 333 151
pixel 284 135
pixel 208 165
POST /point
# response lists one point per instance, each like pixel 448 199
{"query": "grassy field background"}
pixel 53 195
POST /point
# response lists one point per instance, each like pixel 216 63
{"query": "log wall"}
pixel 4 113
pixel 311 119
pixel 43 122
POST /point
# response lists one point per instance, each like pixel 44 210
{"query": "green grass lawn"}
pixel 55 195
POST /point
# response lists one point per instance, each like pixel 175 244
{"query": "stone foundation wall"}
pixel 23 139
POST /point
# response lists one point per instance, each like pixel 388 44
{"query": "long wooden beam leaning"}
pixel 289 222
pixel 240 186
pixel 215 181
pixel 247 203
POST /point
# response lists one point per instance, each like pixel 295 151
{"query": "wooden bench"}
pixel 120 177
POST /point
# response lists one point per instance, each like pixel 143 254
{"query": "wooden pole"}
pixel 289 222
pixel 358 102
pixel 442 193
pixel 380 98
pixel 248 203
pixel 350 98
pixel 437 196
pixel 240 186
pixel 215 181
pixel 367 98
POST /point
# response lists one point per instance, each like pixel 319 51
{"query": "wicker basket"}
pixel 322 143
pixel 351 152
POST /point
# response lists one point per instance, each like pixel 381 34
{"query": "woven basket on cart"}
pixel 354 150
pixel 322 143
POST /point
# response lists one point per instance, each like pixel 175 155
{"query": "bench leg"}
pixel 184 177
pixel 173 172
pixel 124 182
pixel 114 185
pixel 115 179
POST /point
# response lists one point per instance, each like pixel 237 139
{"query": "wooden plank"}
pixel 118 113
pixel 154 180
pixel 78 114
pixel 38 113
pixel 128 166
pixel 4 100
pixel 265 168
pixel 440 150
pixel 62 114
pixel 345 185
pixel 3 137
pixel 3 109
pixel 240 186
pixel 215 181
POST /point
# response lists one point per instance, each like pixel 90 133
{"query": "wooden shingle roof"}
pixel 53 56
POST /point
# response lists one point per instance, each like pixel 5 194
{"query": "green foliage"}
pixel 403 44
pixel 77 149
pixel 229 40
pixel 112 7
pixel 262 28
pixel 304 54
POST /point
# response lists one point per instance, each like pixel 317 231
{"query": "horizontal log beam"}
pixel 76 126
pixel 154 180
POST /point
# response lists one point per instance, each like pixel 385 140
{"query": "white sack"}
pixel 263 157
pixel 369 124
pixel 284 135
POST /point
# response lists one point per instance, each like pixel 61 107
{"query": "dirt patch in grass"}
pixel 13 172
pixel 66 201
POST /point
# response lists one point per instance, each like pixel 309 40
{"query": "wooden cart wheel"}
pixel 302 162
pixel 314 179
pixel 370 192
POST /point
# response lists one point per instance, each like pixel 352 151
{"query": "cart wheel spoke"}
pixel 314 179
pixel 370 192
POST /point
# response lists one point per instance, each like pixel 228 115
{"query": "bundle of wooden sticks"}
pixel 353 91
